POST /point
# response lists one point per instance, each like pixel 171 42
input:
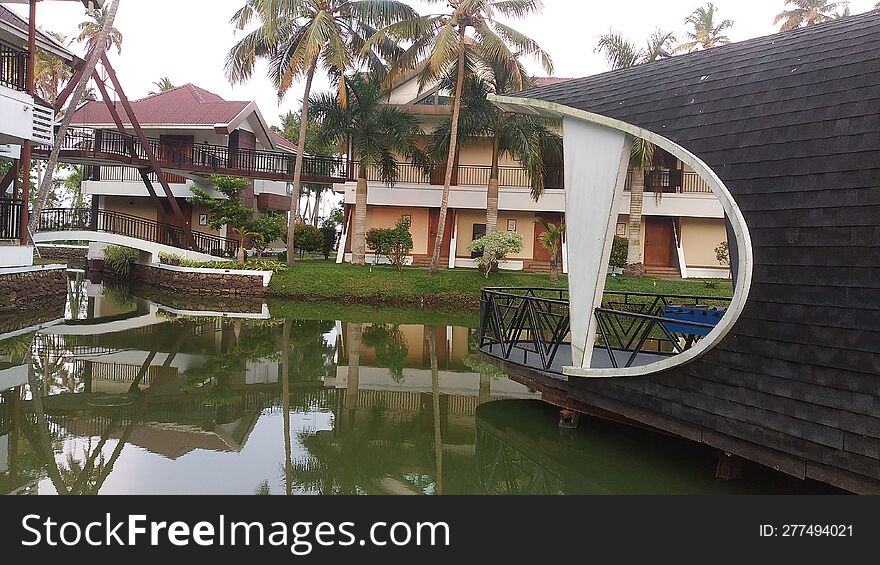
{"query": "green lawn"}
pixel 324 280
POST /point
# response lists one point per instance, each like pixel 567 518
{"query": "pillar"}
pixel 596 159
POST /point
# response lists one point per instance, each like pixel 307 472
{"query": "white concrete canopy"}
pixel 588 189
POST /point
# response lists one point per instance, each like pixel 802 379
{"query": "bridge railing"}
pixel 531 326
pixel 69 219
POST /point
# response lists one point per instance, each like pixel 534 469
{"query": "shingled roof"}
pixel 181 106
pixel 791 124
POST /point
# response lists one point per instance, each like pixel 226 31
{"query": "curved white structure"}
pixel 147 247
pixel 597 152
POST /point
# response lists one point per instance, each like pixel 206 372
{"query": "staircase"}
pixel 663 272
pixel 538 267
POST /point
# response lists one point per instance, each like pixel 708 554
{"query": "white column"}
pixel 453 245
pixel 596 159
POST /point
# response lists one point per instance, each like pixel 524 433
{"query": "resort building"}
pixel 26 121
pixel 683 221
pixel 188 128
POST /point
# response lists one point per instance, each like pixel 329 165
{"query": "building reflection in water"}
pixel 127 395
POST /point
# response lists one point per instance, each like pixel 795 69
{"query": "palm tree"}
pixel 298 36
pixel 529 140
pixel 706 33
pixel 807 13
pixel 621 53
pixel 441 44
pixel 551 240
pixel 51 72
pixel 164 84
pixel 90 29
pixel 641 159
pixel 377 134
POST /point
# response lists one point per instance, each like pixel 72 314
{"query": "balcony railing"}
pixel 671 181
pixel 201 158
pixel 463 175
pixel 10 219
pixel 13 67
pixel 531 327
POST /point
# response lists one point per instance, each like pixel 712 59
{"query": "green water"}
pixel 113 393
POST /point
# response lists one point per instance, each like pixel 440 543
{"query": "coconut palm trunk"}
pixel 554 266
pixel 285 407
pixel 634 263
pixel 92 62
pixel 492 200
pixel 359 244
pixel 450 162
pixel 298 166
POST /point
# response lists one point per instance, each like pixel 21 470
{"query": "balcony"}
pixel 13 67
pixel 670 181
pixel 463 175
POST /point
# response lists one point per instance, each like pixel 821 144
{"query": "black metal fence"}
pixel 13 67
pixel 67 219
pixel 531 326
pixel 10 218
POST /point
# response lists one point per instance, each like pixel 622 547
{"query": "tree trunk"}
pixel 554 267
pixel 634 264
pixel 316 212
pixel 492 201
pixel 359 243
pixel 91 63
pixel 435 397
pixel 450 162
pixel 285 406
pixel 298 167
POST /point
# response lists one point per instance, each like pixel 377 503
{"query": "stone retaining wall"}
pixel 31 289
pixel 63 252
pixel 193 282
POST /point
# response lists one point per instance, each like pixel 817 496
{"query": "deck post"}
pixel 596 159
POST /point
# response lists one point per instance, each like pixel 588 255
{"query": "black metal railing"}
pixel 10 218
pixel 531 327
pixel 67 219
pixel 13 67
pixel 670 181
pixel 203 158
pixel 464 175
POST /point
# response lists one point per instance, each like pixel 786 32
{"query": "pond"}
pixel 121 392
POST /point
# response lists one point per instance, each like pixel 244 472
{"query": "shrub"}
pixel 329 233
pixel 169 258
pixel 377 241
pixel 273 266
pixel 495 248
pixel 263 230
pixel 308 239
pixel 400 242
pixel 722 253
pixel 119 259
pixel 619 251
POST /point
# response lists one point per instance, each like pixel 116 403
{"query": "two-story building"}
pixel 25 121
pixel 194 126
pixel 683 221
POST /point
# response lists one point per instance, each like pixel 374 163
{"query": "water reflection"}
pixel 119 394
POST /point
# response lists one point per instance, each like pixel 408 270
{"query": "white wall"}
pixel 17 111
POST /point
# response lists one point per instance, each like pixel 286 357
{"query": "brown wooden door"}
pixel 658 242
pixel 176 151
pixel 540 254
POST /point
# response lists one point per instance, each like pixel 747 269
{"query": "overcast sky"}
pixel 187 40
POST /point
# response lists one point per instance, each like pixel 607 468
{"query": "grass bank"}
pixel 327 281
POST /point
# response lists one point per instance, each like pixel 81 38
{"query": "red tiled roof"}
pixel 550 81
pixel 184 105
pixel 282 142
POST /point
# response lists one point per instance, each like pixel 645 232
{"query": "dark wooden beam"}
pixel 151 156
pixel 130 146
pixel 27 148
